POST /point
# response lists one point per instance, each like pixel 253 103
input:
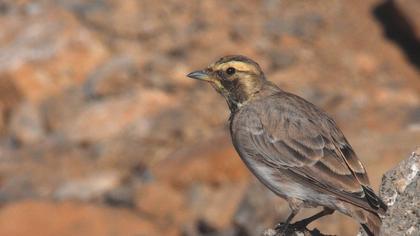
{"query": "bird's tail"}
pixel 370 220
pixel 371 223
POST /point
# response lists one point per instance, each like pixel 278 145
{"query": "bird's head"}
pixel 237 78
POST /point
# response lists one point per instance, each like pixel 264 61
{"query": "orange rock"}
pixel 213 163
pixel 216 206
pixel 164 204
pixel 48 53
pixel 95 123
pixel 206 183
pixel 366 64
pixel 26 123
pixel 67 218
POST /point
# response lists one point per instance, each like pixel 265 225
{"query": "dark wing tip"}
pixel 374 201
pixel 367 230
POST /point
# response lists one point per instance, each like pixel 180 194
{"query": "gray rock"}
pixel 121 196
pixel 256 211
pixel 282 59
pixel 33 39
pixel 300 232
pixel 305 27
pixel 17 188
pixel 400 190
pixel 413 119
pixel 89 188
pixel 115 76
pixel 27 124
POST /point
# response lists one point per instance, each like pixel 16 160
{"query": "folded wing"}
pixel 315 153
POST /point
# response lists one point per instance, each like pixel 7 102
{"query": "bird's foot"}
pixel 282 228
pixel 288 229
pixel 300 225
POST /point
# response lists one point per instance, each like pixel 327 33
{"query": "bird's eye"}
pixel 230 71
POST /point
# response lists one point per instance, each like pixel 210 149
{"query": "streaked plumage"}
pixel 291 146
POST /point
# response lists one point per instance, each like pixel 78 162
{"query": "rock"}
pixel 305 27
pixel 2 121
pixel 92 122
pixel 89 188
pixel 258 209
pixel 165 204
pixel 205 186
pixel 10 96
pixel 400 190
pixel 221 204
pixel 40 218
pixel 120 19
pixel 366 64
pixel 46 50
pixel 122 196
pixel 396 180
pixel 113 77
pixel 411 10
pixel 27 124
pixel 204 164
pixel 269 232
pixel 404 216
pixel 300 232
pixel 308 26
pixel 281 59
pixel 400 20
pixel 16 188
pixel 413 119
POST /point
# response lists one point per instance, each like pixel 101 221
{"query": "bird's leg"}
pixel 305 222
pixel 292 215
pixel 283 226
pixel 295 206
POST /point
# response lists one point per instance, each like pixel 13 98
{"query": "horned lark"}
pixel 291 146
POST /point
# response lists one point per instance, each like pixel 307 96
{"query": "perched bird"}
pixel 292 146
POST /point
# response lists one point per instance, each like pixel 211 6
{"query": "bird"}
pixel 292 147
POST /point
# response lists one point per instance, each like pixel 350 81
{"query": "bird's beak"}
pixel 200 75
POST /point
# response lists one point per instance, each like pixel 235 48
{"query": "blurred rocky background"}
pixel 101 133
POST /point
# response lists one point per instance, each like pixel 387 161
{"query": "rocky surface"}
pixel 293 232
pixel 97 118
pixel 400 190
